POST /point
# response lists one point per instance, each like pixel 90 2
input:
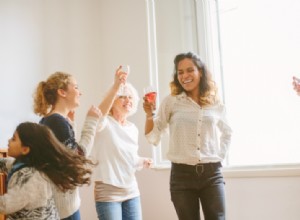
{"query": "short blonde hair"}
pixel 133 92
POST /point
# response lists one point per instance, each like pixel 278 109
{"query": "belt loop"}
pixel 199 169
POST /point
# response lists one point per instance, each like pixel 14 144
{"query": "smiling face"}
pixel 126 101
pixel 122 105
pixel 71 94
pixel 188 76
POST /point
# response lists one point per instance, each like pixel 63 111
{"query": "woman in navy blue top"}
pixel 55 100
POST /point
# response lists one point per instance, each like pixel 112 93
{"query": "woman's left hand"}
pixel 147 163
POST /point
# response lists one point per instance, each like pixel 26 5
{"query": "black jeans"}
pixel 192 185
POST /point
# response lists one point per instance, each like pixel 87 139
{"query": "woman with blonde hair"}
pixel 116 146
pixel 194 116
pixel 55 100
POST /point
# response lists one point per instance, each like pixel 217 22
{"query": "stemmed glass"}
pixel 296 80
pixel 150 93
pixel 126 69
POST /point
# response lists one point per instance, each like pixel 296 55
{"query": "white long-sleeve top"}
pixel 197 135
pixel 88 133
pixel 69 202
pixel 116 149
pixel 29 195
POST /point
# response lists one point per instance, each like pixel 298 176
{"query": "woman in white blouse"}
pixel 116 190
pixel 199 139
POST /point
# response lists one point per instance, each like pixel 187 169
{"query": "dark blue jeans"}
pixel 202 184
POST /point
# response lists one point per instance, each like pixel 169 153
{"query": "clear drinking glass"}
pixel 124 68
pixel 150 93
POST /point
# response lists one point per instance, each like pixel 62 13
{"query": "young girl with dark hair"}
pixel 39 164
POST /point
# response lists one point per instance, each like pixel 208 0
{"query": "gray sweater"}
pixel 29 195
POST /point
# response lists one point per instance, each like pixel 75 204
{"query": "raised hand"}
pixel 296 84
pixel 94 112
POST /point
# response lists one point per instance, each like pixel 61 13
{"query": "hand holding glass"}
pixel 296 85
pixel 125 68
pixel 150 94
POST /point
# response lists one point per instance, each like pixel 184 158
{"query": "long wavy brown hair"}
pixel 65 168
pixel 208 92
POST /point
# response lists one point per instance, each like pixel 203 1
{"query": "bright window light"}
pixel 260 41
pixel 253 50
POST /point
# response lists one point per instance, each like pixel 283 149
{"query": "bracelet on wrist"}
pixel 150 117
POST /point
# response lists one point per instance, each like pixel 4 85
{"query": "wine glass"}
pixel 296 84
pixel 126 69
pixel 150 93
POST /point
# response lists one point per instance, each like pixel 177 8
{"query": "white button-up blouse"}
pixel 196 134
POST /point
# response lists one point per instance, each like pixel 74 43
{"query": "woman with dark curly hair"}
pixel 195 118
pixel 39 164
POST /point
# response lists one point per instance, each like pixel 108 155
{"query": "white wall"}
pixel 90 38
pixel 263 198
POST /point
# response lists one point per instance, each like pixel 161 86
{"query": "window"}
pixel 260 50
pixel 252 48
pixel 172 28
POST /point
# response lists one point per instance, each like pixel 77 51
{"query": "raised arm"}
pixel 120 78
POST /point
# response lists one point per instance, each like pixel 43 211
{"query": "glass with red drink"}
pixel 150 94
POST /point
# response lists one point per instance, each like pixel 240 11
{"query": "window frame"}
pixel 209 52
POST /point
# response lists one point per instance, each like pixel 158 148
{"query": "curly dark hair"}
pixel 207 87
pixel 65 168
